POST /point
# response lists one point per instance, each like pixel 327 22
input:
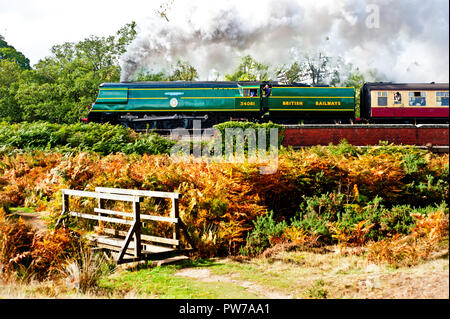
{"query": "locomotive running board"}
pixel 174 117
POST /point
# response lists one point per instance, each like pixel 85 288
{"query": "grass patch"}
pixel 320 275
pixel 26 210
pixel 162 282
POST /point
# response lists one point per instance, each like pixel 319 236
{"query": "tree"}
pixel 290 74
pixel 312 68
pixel 8 52
pixel 10 73
pixel 62 86
pixel 105 52
pixel 355 78
pixel 163 9
pixel 183 71
pixel 148 76
pixel 249 70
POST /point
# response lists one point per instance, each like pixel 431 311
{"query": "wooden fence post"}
pixel 101 205
pixel 175 214
pixel 137 232
pixel 65 208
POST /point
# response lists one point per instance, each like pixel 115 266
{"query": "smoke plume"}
pixel 406 41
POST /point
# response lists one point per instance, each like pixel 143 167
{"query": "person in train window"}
pixel 397 98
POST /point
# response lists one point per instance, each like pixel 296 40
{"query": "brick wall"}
pixel 358 135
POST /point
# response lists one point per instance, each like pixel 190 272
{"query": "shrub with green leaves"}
pixel 265 228
pixel 101 138
pixel 246 128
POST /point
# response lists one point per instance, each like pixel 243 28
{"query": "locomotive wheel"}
pixel 126 124
pixel 172 124
pixel 187 123
pixel 152 125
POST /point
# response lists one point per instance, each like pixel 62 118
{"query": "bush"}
pixel 265 230
pixel 30 254
pixel 317 212
pixel 309 191
pixel 101 138
pixel 222 128
pixel 316 215
pixel 85 269
pixel 426 236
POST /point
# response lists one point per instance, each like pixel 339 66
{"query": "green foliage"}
pixel 10 75
pixel 289 74
pixel 8 52
pixel 238 126
pixel 29 254
pixel 317 213
pixel 249 70
pixel 356 79
pixel 152 144
pixel 100 138
pixel 85 268
pixel 60 87
pixel 181 71
pixel 265 228
pixel 326 215
pixel 316 69
pixel 317 291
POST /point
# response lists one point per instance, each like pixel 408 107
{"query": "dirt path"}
pixel 205 275
pixel 33 219
pixel 331 276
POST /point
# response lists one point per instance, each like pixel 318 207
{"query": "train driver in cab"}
pixel 267 90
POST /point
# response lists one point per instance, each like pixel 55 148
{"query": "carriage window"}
pixel 441 98
pixel 417 99
pixel 397 98
pixel 382 98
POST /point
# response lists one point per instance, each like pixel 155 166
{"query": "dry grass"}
pixel 325 273
pixel 307 274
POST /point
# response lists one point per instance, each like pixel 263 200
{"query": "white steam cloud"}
pixel 406 41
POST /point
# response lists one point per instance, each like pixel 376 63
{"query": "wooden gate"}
pixel 129 245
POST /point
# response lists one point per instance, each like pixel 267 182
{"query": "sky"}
pixel 405 40
pixel 34 26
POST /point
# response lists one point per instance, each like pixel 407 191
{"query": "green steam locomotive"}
pixel 168 105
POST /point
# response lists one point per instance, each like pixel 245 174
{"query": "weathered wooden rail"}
pixel 129 245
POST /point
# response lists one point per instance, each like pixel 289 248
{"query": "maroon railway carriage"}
pixel 414 102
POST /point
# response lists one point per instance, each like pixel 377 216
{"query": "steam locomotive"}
pixel 168 105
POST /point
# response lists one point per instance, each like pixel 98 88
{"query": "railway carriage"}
pixel 405 102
